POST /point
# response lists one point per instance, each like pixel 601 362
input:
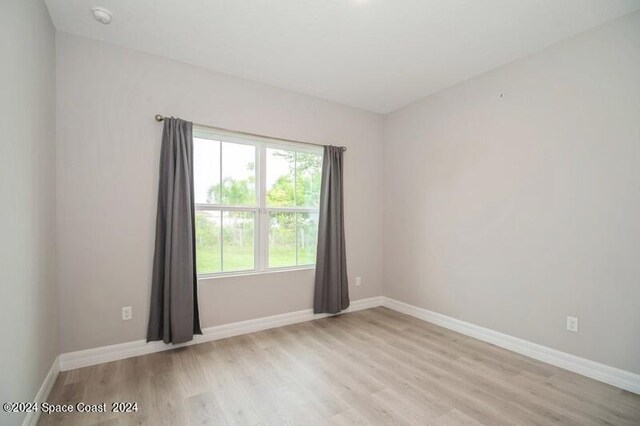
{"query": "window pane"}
pixel 206 170
pixel 238 174
pixel 308 175
pixel 280 178
pixel 307 238
pixel 282 239
pixel 208 242
pixel 238 235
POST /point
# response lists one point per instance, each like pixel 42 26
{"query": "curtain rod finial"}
pixel 159 117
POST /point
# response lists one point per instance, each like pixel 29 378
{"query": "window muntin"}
pixel 256 203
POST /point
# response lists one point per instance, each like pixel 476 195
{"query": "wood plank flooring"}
pixel 374 367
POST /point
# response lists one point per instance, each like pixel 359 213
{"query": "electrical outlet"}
pixel 572 324
pixel 127 313
pixel 358 281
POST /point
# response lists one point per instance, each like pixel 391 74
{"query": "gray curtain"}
pixel 331 286
pixel 173 316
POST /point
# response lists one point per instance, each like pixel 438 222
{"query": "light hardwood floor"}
pixel 369 367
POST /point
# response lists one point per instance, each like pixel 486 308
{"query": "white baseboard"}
pixel 85 358
pixel 604 373
pixel 31 419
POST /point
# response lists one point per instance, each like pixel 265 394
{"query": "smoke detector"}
pixel 102 15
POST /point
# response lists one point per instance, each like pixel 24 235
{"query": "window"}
pixel 256 203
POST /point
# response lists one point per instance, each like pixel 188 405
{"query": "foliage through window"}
pixel 256 203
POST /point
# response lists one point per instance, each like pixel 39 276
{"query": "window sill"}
pixel 204 277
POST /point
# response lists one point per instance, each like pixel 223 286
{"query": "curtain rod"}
pixel 161 118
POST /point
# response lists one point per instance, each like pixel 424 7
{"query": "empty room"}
pixel 320 212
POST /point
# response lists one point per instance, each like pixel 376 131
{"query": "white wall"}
pixel 514 211
pixel 108 151
pixel 28 296
pixel 510 201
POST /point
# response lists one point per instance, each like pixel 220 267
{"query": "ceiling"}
pixel 378 55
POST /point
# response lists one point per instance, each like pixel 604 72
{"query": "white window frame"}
pixel 260 209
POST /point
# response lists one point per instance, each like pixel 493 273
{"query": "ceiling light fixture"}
pixel 102 15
